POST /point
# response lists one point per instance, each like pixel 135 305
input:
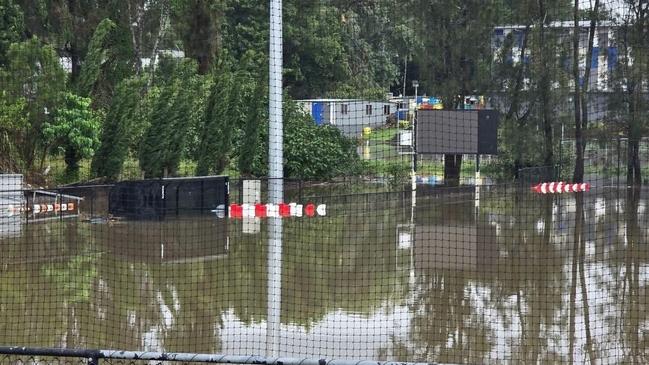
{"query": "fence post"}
pixel 203 197
pixel 178 198
pixel 92 203
pixel 276 177
pixel 59 200
pixel 27 210
pixel 618 162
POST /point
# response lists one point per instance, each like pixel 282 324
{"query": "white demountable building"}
pixel 350 116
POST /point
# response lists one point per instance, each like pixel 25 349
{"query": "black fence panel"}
pixel 160 198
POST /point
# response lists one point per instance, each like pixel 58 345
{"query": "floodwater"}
pixel 522 278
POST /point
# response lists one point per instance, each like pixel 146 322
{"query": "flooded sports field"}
pixel 502 275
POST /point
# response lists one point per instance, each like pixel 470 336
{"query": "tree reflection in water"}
pixel 528 279
pixel 635 337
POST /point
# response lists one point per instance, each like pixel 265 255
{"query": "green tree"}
pixel 217 124
pixel 68 25
pixel 107 62
pixel 509 95
pixel 377 35
pixel 455 55
pixel 256 116
pixel 332 48
pixel 155 140
pixel 74 129
pixel 198 23
pixel 629 101
pixel 163 143
pixel 12 27
pixel 245 36
pixel 531 90
pixel 13 123
pixel 544 52
pixel 33 74
pixel 581 85
pixel 315 63
pixel 124 118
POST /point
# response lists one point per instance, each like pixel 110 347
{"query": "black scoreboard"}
pixel 457 132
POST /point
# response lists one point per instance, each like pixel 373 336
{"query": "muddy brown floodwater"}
pixel 521 279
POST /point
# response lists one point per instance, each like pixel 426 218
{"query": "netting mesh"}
pixel 419 181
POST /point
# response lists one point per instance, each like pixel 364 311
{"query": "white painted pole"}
pixel 276 175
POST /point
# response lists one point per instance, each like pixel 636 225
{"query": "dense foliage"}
pixel 11 27
pixel 74 131
pixel 125 117
pixel 183 82
pixel 33 81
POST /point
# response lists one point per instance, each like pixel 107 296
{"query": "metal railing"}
pixel 27 355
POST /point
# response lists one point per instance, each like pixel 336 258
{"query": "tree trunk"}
pixel 545 86
pixel 161 32
pixel 580 243
pixel 634 175
pixel 135 15
pixel 72 168
pixel 631 293
pixel 515 105
pixel 581 92
pixel 75 62
pixel 203 39
pixel 578 174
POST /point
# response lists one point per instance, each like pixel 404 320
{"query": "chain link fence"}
pixel 436 181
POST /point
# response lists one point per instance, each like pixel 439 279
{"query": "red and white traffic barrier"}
pixel 282 210
pixel 41 208
pixel 560 187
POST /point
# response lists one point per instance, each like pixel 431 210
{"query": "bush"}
pixel 398 174
pixel 310 151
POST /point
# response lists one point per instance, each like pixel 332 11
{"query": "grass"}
pixel 56 170
pixel 383 134
pixel 383 157
pixel 130 171
pixel 379 157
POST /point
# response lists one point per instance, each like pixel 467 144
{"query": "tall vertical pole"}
pixel 405 73
pixel 619 146
pixel 415 84
pixel 276 175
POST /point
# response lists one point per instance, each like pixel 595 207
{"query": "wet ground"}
pixel 520 278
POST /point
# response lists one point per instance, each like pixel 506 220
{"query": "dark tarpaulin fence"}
pixel 413 226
